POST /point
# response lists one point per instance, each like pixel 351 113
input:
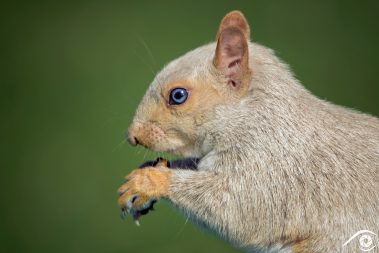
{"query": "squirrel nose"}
pixel 133 132
pixel 133 140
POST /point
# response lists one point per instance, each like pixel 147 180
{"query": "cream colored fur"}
pixel 280 170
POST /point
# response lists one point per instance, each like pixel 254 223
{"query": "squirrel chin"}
pixel 186 153
pixel 179 151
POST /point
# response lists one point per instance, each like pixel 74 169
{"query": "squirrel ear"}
pixel 232 51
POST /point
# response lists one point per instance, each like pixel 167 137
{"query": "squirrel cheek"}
pixel 200 119
pixel 155 136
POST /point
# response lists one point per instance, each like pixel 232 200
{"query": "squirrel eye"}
pixel 178 96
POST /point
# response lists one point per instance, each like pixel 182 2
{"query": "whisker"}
pixel 182 228
pixel 144 62
pixel 118 146
pixel 139 151
pixel 148 51
pixel 144 155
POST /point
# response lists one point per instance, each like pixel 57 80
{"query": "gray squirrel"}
pixel 277 169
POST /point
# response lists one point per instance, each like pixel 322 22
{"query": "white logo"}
pixel 366 240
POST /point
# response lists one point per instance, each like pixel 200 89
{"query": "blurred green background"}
pixel 72 73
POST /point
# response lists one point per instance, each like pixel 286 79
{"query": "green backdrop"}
pixel 72 73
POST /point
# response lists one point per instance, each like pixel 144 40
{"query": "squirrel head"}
pixel 173 115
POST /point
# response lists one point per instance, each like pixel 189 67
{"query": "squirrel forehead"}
pixel 186 67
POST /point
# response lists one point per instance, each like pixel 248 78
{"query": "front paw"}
pixel 143 187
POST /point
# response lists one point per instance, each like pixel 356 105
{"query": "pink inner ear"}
pixel 232 55
pixel 234 63
pixel 235 19
pixel 231 48
pixel 232 45
pixel 232 51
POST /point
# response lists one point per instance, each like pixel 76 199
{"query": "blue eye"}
pixel 178 96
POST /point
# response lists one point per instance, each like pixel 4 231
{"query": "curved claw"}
pixel 161 162
pixel 143 188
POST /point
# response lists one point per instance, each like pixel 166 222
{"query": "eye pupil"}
pixel 178 96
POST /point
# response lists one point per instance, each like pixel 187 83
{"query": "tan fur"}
pixel 148 183
pixel 301 246
pixel 280 170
